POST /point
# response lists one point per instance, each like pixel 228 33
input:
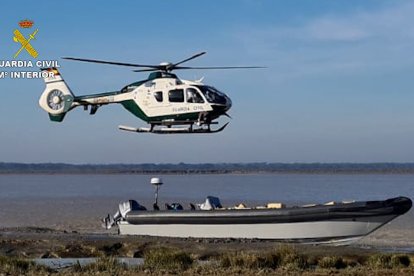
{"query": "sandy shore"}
pixel 31 242
pixel 207 254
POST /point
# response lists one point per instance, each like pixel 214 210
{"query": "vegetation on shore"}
pixel 204 168
pixel 285 259
pixel 20 266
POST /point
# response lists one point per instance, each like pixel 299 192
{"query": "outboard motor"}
pixel 123 209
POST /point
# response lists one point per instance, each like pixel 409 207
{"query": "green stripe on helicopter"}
pixel 132 107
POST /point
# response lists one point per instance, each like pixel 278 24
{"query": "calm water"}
pixel 261 187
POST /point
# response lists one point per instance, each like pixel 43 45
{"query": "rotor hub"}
pixel 166 64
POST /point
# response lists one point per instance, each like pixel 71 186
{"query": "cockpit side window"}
pixel 158 96
pixel 176 96
pixel 212 95
pixel 193 96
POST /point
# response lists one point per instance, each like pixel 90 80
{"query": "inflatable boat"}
pixel 332 222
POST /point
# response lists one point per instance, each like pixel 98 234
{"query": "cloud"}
pixel 329 29
pixel 375 40
pixel 396 22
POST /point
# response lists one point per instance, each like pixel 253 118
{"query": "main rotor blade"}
pixel 188 59
pixel 203 68
pixel 146 70
pixel 219 67
pixel 112 62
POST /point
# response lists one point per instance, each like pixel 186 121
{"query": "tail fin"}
pixel 57 98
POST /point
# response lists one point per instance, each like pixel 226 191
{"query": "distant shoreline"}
pixel 208 168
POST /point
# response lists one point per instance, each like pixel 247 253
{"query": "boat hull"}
pixel 340 223
pixel 315 231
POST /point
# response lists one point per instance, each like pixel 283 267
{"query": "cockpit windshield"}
pixel 212 94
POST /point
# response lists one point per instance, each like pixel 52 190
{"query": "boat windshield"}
pixel 212 94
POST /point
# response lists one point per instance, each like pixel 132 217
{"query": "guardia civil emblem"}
pixel 23 41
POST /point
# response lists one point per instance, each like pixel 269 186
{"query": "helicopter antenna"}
pixel 165 66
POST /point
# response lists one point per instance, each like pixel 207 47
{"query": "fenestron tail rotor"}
pixel 165 66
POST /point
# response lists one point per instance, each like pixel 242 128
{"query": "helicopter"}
pixel 169 105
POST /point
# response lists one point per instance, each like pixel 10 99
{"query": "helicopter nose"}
pixel 228 103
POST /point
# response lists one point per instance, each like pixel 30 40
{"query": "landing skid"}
pixel 172 130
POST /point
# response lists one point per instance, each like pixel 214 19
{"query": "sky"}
pixel 338 86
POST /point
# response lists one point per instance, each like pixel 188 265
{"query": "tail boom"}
pixel 57 98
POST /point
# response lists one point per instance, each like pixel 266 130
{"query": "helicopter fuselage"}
pixel 161 100
pixel 164 98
